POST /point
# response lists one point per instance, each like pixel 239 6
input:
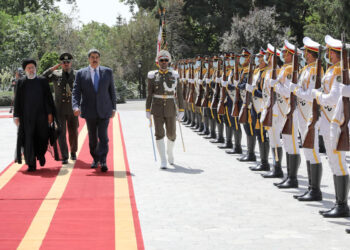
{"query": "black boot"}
pixel 237 148
pixel 277 169
pixel 250 156
pixel 341 209
pixel 228 144
pixel 206 130
pixel 336 199
pixel 189 118
pixel 292 180
pixel 212 124
pixel 296 196
pixel 322 148
pixel 347 230
pixel 196 122
pixel 286 178
pixel 314 193
pixel 220 136
pixel 184 120
pixel 264 148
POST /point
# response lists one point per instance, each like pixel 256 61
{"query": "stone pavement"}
pixel 209 200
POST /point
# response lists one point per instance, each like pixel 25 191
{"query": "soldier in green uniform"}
pixel 162 103
pixel 63 80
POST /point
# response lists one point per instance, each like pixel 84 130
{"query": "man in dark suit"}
pixel 94 98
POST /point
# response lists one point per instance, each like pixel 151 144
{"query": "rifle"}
pixel 288 126
pixel 191 94
pixel 310 134
pixel 267 122
pixel 217 87
pixel 205 101
pixel 221 108
pixel 343 141
pixel 235 110
pixel 184 89
pixel 243 115
pixel 201 89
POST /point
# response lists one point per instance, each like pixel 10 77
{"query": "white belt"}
pixel 164 96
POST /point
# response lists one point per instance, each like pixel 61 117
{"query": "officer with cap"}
pixel 163 84
pixel 327 97
pixel 63 80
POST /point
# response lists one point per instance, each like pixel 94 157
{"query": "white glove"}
pixel 273 83
pixel 199 81
pixel 224 83
pixel 249 88
pixel 180 115
pixel 207 80
pixel 345 90
pixel 314 93
pixel 292 86
pixel 235 83
pixel 218 80
pixel 148 115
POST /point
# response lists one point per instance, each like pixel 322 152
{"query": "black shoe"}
pixel 104 167
pixel 235 151
pixel 65 161
pixel 73 156
pixel 338 211
pixel 94 164
pixel 42 160
pixel 347 230
pixel 220 140
pixel 204 133
pixel 248 158
pixel 261 167
pixel 31 168
pixel 289 183
pixel 297 196
pixel 312 195
pixel 225 146
pixel 273 174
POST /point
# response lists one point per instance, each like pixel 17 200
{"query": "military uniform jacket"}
pixel 63 85
pixel 163 90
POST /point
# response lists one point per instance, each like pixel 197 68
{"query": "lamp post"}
pixel 139 65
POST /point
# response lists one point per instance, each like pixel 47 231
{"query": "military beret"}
pixel 66 56
pixel 28 61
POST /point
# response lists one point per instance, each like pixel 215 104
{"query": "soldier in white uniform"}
pixel 161 103
pixel 327 97
pixel 274 131
pixel 302 90
pixel 290 142
pixel 256 90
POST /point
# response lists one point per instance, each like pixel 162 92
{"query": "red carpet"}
pixel 85 214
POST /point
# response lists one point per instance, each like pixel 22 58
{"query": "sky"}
pixel 102 11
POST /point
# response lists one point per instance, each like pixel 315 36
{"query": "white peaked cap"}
pixel 333 43
pixel 271 49
pixel 311 44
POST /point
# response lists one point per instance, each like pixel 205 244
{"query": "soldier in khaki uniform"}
pixel 163 84
pixel 63 80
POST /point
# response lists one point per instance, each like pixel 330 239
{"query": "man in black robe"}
pixel 33 112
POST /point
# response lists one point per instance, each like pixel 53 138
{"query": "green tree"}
pixel 48 60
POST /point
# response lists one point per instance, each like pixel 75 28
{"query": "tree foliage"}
pixel 254 31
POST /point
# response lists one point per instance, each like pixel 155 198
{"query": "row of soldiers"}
pixel 275 95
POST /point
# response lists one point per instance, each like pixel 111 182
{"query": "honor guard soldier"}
pixel 163 92
pixel 199 71
pixel 256 90
pixel 275 130
pixel 249 126
pixel 226 102
pixel 234 102
pixel 302 89
pixel 63 80
pixel 290 141
pixel 204 99
pixel 327 97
